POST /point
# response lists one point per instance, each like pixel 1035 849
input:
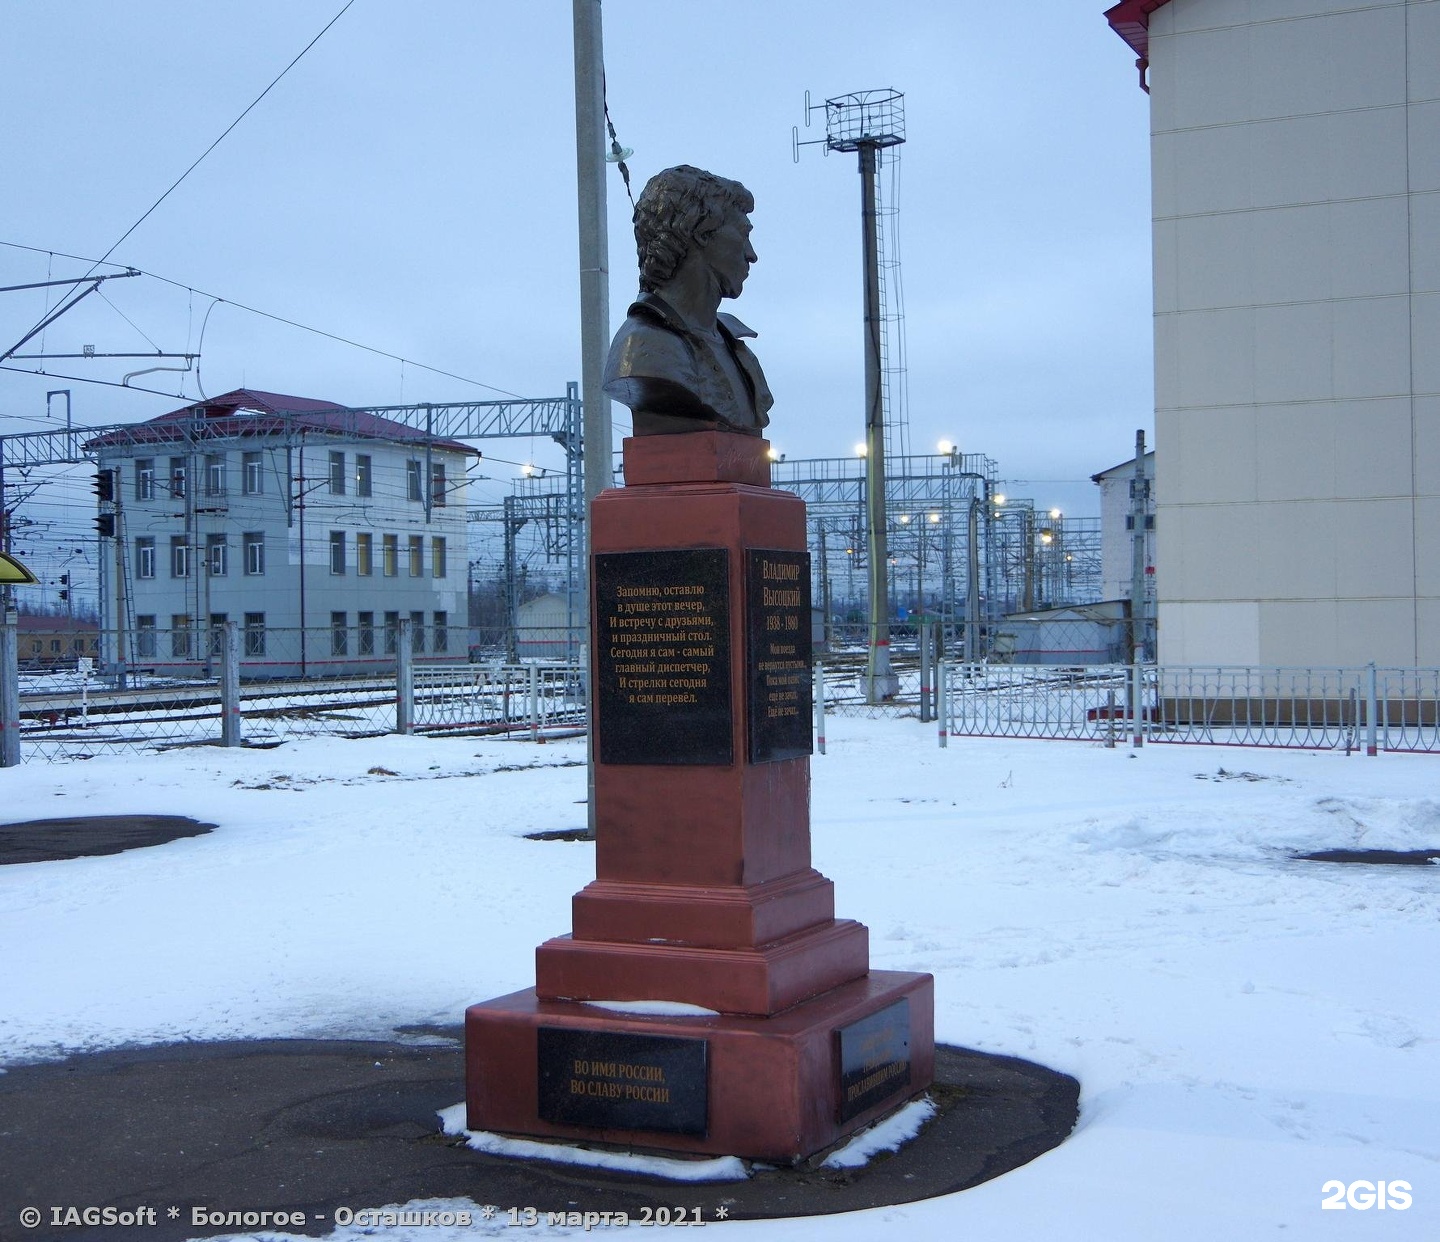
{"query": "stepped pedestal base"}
pixel 704 892
pixel 775 1089
pixel 760 980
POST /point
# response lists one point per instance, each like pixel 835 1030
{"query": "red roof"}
pixel 250 412
pixel 1130 19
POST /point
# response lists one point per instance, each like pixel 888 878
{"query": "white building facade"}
pixel 1296 206
pixel 315 530
pixel 1117 531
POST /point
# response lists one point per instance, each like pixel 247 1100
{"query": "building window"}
pixel 392 632
pixel 365 633
pixel 215 474
pixel 217 632
pixel 252 482
pixel 144 478
pixel 390 555
pixel 179 557
pixel 364 553
pixel 217 555
pixel 412 480
pixel 337 551
pixel 441 641
pixel 177 477
pixel 417 631
pixel 417 556
pixel 437 482
pixel 337 474
pixel 437 556
pixel 145 636
pixel 145 557
pixel 254 552
pixel 54 646
pixel 339 634
pixel 180 637
pixel 254 633
pixel 363 485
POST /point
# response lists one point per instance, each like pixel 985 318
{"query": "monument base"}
pixel 777 1089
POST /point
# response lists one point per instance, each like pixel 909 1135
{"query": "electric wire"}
pixel 291 323
pixel 76 295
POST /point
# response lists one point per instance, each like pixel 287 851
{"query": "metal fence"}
pixel 1371 709
pixel 499 698
pixel 235 687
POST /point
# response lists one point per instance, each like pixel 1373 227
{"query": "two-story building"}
pixel 316 529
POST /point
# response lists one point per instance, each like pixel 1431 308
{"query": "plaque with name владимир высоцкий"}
pixel 662 656
pixel 778 654
pixel 614 1080
pixel 874 1059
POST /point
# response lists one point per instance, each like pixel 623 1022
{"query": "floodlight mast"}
pixel 866 122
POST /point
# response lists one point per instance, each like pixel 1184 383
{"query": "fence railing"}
pixel 235 688
pixel 1370 708
pixel 498 698
pixel 234 692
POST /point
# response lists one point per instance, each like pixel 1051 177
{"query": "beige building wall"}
pixel 1296 176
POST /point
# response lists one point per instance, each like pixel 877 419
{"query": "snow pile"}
pixel 891 1134
pixel 719 1169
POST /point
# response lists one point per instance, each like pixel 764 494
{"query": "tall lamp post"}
pixel 865 122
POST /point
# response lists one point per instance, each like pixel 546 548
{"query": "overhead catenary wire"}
pixel 75 296
pixel 254 310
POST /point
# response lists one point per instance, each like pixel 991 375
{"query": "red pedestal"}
pixel 704 892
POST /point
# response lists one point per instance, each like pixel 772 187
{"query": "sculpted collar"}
pixel 654 305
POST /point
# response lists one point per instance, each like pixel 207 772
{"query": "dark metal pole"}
pixel 301 503
pixel 1139 503
pixel 880 682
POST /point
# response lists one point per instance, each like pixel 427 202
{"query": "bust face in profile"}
pixel 677 362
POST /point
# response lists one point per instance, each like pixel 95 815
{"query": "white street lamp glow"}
pixel 945 446
pixel 860 450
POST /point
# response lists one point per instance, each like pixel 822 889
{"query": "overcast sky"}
pixel 410 185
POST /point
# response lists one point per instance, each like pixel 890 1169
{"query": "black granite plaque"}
pixel 874 1058
pixel 778 646
pixel 662 656
pixel 618 1081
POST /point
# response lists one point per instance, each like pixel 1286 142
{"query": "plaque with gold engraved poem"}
pixel 777 640
pixel 662 657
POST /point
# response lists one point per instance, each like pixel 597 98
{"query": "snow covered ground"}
pixel 1245 1027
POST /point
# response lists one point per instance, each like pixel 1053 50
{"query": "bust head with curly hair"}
pixel 678 212
pixel 677 361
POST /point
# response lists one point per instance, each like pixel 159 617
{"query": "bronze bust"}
pixel 678 363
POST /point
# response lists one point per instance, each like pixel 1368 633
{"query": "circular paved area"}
pixel 315 1125
pixel 45 840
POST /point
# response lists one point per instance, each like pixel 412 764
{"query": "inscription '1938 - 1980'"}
pixel 779 653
